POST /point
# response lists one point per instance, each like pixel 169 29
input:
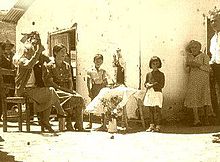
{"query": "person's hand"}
pixel 148 86
pixel 194 64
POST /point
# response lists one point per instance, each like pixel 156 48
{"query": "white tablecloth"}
pixel 129 96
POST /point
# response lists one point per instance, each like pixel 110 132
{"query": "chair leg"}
pixel 19 117
pixel 142 116
pixel 28 117
pixel 4 109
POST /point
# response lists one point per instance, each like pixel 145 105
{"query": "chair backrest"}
pixel 7 82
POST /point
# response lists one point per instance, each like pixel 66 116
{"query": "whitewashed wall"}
pixel 146 27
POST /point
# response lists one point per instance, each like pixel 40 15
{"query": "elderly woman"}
pixel 59 76
pixel 25 82
pixel 198 90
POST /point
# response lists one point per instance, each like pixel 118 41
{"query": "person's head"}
pixel 215 19
pixel 194 47
pixel 155 63
pixel 98 60
pixel 59 52
pixel 7 46
pixel 31 39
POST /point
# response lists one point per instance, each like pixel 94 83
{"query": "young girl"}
pixel 153 99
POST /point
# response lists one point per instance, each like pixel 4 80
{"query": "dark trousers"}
pixel 155 115
pixel 44 116
pixel 73 105
pixel 216 73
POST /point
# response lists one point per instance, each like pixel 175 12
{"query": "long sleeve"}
pixel 205 66
pixel 160 79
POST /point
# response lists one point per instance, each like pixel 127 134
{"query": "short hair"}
pixel 191 43
pixel 98 56
pixel 155 58
pixel 57 48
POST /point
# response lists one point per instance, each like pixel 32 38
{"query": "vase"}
pixel 112 126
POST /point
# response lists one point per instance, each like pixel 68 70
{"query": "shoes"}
pixel 89 126
pixel 151 128
pixel 69 127
pixel 47 126
pixel 102 128
pixel 80 129
pixel 157 129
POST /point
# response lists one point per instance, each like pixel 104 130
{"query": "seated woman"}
pixel 44 98
pixel 59 76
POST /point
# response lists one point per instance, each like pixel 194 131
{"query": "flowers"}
pixel 111 107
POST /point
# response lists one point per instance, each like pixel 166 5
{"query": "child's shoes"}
pixel 157 129
pixel 151 128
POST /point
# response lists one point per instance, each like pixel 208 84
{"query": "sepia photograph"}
pixel 109 81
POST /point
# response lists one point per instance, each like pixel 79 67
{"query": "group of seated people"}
pixel 45 81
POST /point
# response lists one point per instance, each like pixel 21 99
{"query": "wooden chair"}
pixel 140 110
pixel 5 87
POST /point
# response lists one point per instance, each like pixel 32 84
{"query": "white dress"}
pixel 153 98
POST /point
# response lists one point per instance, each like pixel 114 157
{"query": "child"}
pixel 96 80
pixel 153 99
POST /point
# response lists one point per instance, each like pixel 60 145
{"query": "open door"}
pixel 68 38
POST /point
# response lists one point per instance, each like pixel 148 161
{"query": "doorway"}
pixel 67 37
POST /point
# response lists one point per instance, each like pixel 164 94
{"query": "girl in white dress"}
pixel 154 83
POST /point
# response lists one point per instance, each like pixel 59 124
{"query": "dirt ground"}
pixel 174 144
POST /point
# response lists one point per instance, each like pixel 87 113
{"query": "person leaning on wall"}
pixel 198 97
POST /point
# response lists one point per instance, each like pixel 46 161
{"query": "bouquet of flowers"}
pixel 112 109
